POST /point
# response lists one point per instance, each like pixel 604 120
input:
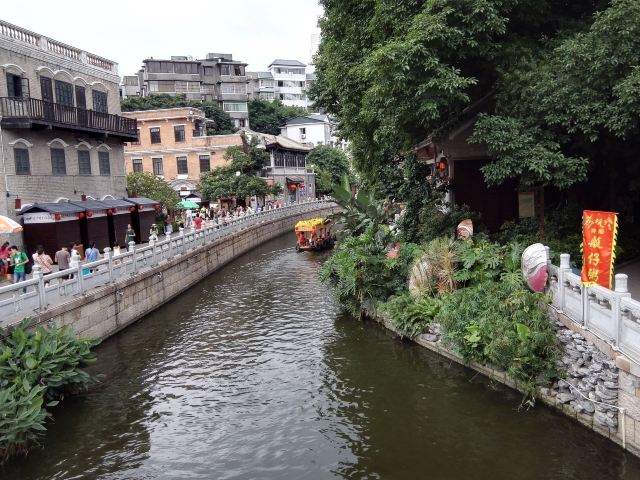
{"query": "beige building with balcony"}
pixel 173 145
pixel 61 132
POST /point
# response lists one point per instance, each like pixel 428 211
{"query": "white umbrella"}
pixel 9 226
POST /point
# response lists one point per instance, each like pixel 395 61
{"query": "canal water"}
pixel 255 374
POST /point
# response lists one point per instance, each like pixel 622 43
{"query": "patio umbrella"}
pixel 9 226
pixel 187 204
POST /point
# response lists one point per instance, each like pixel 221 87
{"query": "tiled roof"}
pixel 287 63
pixel 305 119
pixel 311 76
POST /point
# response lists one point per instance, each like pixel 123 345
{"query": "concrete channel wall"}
pixel 103 311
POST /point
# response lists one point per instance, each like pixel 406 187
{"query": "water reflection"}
pixel 255 374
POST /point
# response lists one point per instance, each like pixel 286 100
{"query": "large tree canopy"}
pixel 222 123
pixel 268 117
pixel 239 177
pixel 564 76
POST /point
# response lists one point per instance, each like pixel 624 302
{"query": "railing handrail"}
pixel 38 109
pixel 81 277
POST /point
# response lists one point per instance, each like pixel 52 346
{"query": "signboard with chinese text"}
pixel 599 235
pixel 526 205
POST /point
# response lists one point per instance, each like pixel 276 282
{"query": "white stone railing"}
pixel 40 293
pixel 50 45
pixel 612 315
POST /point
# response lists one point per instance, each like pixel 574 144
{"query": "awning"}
pixel 52 207
pixel 92 205
pixel 295 180
pixel 141 201
pixel 116 203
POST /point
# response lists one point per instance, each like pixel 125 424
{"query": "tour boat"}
pixel 313 234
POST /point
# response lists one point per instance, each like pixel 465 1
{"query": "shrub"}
pixel 500 323
pixel 408 316
pixel 37 368
pixel 435 268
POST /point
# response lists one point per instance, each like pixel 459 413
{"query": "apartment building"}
pixel 285 80
pixel 61 135
pixel 173 145
pixel 217 78
pixel 313 130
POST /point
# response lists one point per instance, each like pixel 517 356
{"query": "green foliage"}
pixel 359 212
pixel 223 182
pixel 268 117
pixel 221 121
pixel 37 368
pixel 408 316
pixel 363 275
pixel 144 184
pixel 330 164
pixel 434 220
pixel 498 322
pixel 434 269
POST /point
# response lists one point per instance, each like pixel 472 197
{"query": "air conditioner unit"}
pixel 303 136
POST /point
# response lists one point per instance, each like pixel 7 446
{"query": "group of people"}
pixel 219 215
pixel 15 264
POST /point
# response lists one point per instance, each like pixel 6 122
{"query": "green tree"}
pixel 144 184
pixel 407 67
pixel 221 121
pixel 330 165
pixel 239 177
pixel 268 117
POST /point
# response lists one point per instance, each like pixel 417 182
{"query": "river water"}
pixel 255 374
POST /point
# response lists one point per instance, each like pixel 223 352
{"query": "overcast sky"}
pixel 255 31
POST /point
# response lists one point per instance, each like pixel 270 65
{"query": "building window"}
pixel 208 71
pixel 234 106
pixel 205 163
pixel 137 165
pixel 21 159
pixel 157 166
pixel 64 93
pixel 105 165
pixel 183 169
pixel 303 131
pixel 186 68
pixel 238 70
pixel 178 132
pixel 84 162
pixel 14 85
pixel 58 163
pixel 224 69
pixel 160 67
pixel 237 88
pixel 301 162
pixel 100 101
pixel 155 135
pixel 278 159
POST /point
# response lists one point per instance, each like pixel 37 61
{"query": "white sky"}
pixel 254 31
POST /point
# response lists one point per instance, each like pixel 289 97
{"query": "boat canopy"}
pixel 311 224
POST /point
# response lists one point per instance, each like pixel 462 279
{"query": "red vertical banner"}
pixel 599 236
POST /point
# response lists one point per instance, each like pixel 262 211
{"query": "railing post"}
pixel 168 237
pixel 565 266
pixel 77 264
pixel 621 291
pixel 152 242
pixel 37 274
pixel 132 249
pixel 108 254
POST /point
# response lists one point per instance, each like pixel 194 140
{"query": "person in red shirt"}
pixel 198 221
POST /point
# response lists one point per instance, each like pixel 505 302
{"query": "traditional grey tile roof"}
pixel 53 207
pixel 264 75
pixel 304 120
pixel 287 63
pixel 311 76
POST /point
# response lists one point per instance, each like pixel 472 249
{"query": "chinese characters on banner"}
pixel 599 235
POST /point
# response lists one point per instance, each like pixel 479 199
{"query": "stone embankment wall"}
pixel 106 310
pixel 601 388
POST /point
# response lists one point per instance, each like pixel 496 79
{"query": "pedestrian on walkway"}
pixel 91 254
pixel 129 235
pixel 19 259
pixel 4 261
pixel 62 258
pixel 44 261
pixel 198 221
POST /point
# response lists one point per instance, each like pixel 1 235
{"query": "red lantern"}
pixel 443 167
pixel 81 215
pixel 57 216
pixel 89 214
pixel 109 212
pixel 18 205
pixel 293 187
pixel 132 209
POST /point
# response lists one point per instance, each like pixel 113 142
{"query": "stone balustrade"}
pixel 40 293
pixel 612 315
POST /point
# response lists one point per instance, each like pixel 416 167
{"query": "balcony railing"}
pixel 24 112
